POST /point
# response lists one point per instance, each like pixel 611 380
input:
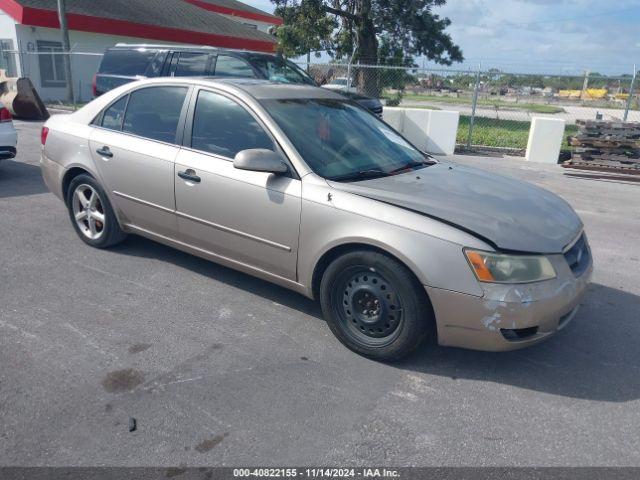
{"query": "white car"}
pixel 341 84
pixel 8 135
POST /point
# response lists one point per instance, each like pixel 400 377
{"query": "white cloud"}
pixel 546 35
pixel 543 35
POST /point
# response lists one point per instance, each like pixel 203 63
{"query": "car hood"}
pixel 508 213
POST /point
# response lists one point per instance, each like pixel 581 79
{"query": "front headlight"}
pixel 500 268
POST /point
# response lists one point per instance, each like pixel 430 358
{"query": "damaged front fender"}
pixel 486 323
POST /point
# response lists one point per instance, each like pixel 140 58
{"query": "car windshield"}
pixel 338 81
pixel 341 141
pixel 281 70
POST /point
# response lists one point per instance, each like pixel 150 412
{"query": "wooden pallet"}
pixel 603 142
pixel 602 145
pixel 602 167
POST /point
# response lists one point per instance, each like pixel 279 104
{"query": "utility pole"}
pixel 472 120
pixel 585 85
pixel 66 49
pixel 630 97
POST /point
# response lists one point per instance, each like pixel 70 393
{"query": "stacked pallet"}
pixel 606 146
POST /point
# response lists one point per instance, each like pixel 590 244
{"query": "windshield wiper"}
pixel 412 166
pixel 362 174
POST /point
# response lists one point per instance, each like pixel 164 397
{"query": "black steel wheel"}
pixel 369 309
pixel 374 305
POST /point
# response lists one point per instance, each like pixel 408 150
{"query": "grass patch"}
pixel 502 133
pixel 500 104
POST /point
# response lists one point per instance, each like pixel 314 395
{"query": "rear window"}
pixel 154 112
pixel 112 118
pixel 127 62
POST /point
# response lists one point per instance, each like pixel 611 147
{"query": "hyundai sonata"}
pixel 302 187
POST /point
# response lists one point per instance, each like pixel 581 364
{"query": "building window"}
pixel 51 64
pixel 251 25
pixel 7 58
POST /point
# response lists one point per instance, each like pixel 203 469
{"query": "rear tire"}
pixel 91 213
pixel 375 306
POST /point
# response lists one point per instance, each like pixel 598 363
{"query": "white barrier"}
pixel 394 117
pixel 416 126
pixel 433 131
pixel 545 140
pixel 442 132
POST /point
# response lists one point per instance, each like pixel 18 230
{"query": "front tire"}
pixel 91 213
pixel 375 306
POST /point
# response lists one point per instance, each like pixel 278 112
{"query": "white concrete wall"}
pixel 545 140
pixel 8 32
pixel 83 67
pixel 432 131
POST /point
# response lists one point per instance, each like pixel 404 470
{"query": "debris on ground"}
pixel 21 98
pixel 611 146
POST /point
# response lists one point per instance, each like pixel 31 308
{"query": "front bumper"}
pixel 509 317
pixel 7 152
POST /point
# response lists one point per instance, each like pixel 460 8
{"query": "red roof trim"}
pixel 84 23
pixel 237 13
pixel 13 9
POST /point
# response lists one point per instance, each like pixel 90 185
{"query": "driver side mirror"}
pixel 260 160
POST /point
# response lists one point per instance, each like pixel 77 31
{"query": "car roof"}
pixel 267 90
pixel 256 88
pixel 190 48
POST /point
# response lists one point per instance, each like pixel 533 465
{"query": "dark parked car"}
pixel 125 63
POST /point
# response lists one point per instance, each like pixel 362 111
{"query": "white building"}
pixel 30 38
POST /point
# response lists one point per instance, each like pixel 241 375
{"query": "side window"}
pixel 126 62
pixel 112 118
pixel 227 66
pixel 154 112
pixel 192 64
pixel 223 127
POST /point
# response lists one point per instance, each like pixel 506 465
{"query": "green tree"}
pixel 391 32
pixel 305 29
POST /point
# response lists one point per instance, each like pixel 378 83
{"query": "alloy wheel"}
pixel 88 211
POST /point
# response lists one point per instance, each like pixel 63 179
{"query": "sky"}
pixel 544 36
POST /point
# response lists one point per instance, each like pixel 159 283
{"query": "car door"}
pixel 134 146
pixel 248 217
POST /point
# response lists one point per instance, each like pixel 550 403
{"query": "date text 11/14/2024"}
pixel 316 472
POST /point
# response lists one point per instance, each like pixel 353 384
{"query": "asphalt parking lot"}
pixel 219 368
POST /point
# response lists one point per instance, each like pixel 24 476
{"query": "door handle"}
pixel 105 152
pixel 189 175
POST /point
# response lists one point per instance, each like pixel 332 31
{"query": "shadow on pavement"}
pixel 18 179
pixel 596 357
pixel 142 247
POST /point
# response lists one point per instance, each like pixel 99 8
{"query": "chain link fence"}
pixel 44 66
pixel 496 107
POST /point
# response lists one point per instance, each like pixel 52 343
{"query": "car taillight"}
pixel 94 85
pixel 43 135
pixel 5 115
